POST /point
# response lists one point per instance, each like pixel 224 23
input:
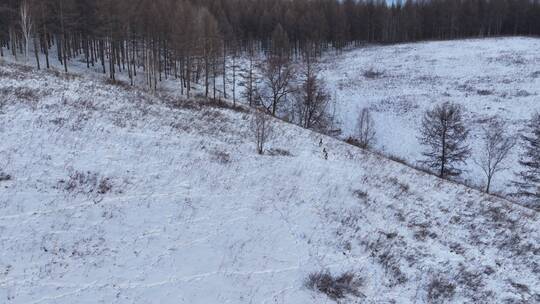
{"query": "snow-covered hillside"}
pixel 498 76
pixel 115 196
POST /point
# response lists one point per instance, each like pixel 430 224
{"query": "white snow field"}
pixel 116 196
pixel 488 77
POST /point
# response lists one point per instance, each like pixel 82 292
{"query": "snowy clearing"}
pixel 489 77
pixel 115 196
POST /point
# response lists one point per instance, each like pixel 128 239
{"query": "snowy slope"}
pixel 120 197
pixel 489 77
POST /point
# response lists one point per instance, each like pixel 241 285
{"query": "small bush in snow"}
pixel 118 83
pixel 390 261
pixel 219 104
pixel 387 251
pixel 221 157
pixel 86 182
pixel 80 182
pixel 484 92
pixel 25 93
pixel 471 279
pixel 279 152
pixel 361 194
pixel 4 176
pixel 521 288
pixel 352 141
pixel 523 93
pixel 372 74
pixel 335 287
pixel 104 185
pixel 403 187
pixel 440 290
pixel 397 159
pixel 423 232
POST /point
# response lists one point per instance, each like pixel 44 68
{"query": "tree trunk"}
pixel 36 48
pixel 224 71
pixel 443 155
pixel 488 184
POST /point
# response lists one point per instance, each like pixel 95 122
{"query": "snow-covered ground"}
pixel 116 196
pixel 498 76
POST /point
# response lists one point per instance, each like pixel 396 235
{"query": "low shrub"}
pixel 221 157
pixel 118 83
pixel 4 176
pixel 372 73
pixel 440 290
pixel 337 287
pixel 484 92
pixel 403 187
pixel 388 250
pixel 361 194
pixel 221 104
pixel 86 182
pixel 104 186
pixel 278 152
pixel 397 159
pixel 353 141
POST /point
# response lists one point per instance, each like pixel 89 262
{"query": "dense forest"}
pixel 186 39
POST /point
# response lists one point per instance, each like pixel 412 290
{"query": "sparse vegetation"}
pixel 484 92
pixel 335 287
pixel 403 187
pixel 279 152
pixel 371 73
pixel 262 130
pixel 221 157
pixel 385 250
pixel 361 194
pixel 104 186
pixel 365 130
pixel 440 290
pixel 398 159
pixel 4 176
pixel 80 182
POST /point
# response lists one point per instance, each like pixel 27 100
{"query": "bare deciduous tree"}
pixel 277 72
pixel 365 129
pixel 312 98
pixel 208 33
pixel 262 130
pixel 277 76
pixel 249 77
pixel 444 135
pixel 26 25
pixel 496 147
